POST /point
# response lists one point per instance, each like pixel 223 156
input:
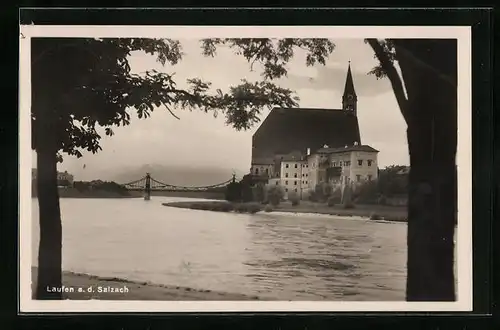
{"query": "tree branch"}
pixel 392 74
pixel 173 114
pixel 423 65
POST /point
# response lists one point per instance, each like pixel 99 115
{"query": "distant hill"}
pixel 175 175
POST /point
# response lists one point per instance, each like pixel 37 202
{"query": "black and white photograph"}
pixel 299 168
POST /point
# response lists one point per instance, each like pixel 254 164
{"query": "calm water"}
pixel 286 257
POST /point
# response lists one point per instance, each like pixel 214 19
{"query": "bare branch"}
pixel 173 114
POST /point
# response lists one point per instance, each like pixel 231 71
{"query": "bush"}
pixel 268 208
pixel 331 201
pixel 294 198
pixel 348 205
pixel 275 194
pixel 375 216
pixel 313 197
pixel 226 207
pixel 382 200
pixel 253 208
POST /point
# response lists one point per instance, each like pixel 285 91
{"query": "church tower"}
pixel 349 99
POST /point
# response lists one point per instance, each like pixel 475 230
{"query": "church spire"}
pixel 349 99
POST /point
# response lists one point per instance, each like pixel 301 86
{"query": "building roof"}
pixel 288 129
pixel 365 148
pixel 263 161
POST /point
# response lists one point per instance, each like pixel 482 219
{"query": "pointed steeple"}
pixel 349 84
pixel 349 99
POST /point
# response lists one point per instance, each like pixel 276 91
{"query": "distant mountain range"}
pixel 175 175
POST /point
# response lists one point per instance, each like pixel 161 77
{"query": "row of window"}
pixel 294 183
pixel 295 175
pixel 286 189
pixel 296 165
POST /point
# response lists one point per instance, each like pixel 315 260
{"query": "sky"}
pixel 200 139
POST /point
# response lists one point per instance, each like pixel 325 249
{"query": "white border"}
pixel 464 161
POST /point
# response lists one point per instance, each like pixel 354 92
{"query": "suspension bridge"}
pixel 149 184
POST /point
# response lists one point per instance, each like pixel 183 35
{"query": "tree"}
pixel 80 85
pixel 426 94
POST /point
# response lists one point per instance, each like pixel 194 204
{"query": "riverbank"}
pixel 375 212
pixel 78 286
pixel 74 193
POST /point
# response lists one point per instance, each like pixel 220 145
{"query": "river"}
pixel 274 256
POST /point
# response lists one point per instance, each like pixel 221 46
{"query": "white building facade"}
pixel 337 166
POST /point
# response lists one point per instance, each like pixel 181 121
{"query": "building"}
pixel 63 178
pixel 298 148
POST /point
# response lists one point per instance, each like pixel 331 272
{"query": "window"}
pixel 295 175
pixel 358 177
pixel 286 175
pixel 277 182
pixel 334 164
pixel 307 175
pixel 360 162
pixel 286 190
pixel 295 165
pixel 369 177
pixel 286 165
pixel 307 165
pixel 369 162
pixel 267 171
pixel 306 182
pixel 295 183
pixel 256 171
pixel 286 183
pixel 295 190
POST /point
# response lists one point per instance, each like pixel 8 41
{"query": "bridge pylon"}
pixel 147 188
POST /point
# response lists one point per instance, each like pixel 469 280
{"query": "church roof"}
pixel 288 129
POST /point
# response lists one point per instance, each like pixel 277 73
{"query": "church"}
pixel 297 148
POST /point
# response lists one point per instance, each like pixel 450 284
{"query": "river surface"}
pixel 274 256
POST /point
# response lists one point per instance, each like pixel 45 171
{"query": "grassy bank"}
pixel 122 289
pixel 375 212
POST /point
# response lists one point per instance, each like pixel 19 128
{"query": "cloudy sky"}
pixel 199 139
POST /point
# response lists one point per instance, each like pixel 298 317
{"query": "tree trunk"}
pixel 49 251
pixel 432 142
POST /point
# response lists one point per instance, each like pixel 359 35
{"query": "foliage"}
pixel 275 194
pixel 375 216
pixel 322 191
pixel 233 192
pixel 258 193
pixel 92 84
pixel 294 198
pixel 110 186
pixel 348 205
pixel 268 208
pixel 331 201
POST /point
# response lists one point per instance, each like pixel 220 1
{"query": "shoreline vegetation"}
pixel 373 212
pixel 79 286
